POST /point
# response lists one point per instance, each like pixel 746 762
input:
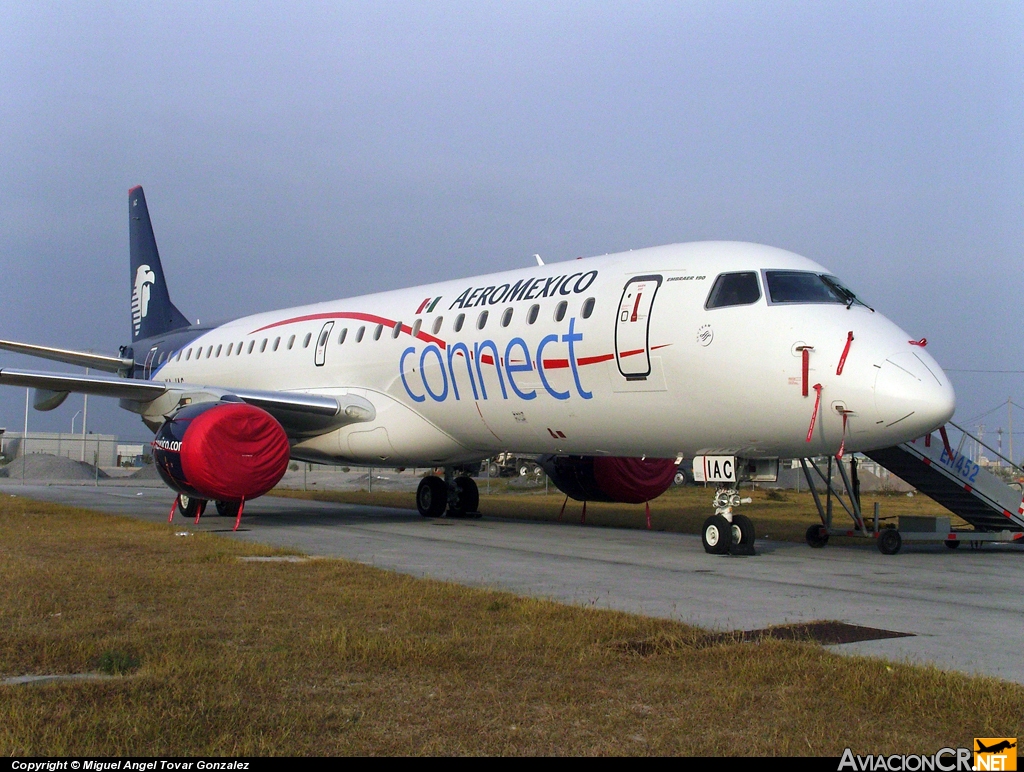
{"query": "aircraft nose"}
pixel 913 396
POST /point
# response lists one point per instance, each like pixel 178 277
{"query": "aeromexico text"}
pixel 526 289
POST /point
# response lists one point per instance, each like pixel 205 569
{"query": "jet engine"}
pixel 603 478
pixel 224 451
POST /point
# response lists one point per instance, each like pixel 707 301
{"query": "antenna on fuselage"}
pixel 539 261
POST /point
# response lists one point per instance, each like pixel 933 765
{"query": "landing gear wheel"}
pixel 952 543
pixel 467 498
pixel 890 541
pixel 524 470
pixel 431 496
pixel 743 535
pixel 228 508
pixel 716 535
pixel 817 536
pixel 189 505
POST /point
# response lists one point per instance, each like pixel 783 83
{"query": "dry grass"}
pixel 783 515
pixel 227 657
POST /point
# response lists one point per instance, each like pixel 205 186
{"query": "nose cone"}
pixel 912 395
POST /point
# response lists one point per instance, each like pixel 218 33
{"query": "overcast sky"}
pixel 297 152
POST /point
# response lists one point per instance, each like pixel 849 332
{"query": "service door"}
pixel 321 344
pixel 632 327
pixel 147 370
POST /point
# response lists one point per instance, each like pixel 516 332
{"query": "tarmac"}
pixel 962 608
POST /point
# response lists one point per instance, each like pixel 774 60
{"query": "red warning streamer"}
pixel 842 359
pixel 814 415
pixel 842 445
pixel 945 442
pixel 805 354
pixel 238 519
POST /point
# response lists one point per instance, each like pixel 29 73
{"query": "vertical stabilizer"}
pixel 153 313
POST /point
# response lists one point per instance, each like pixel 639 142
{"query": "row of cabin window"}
pixel 396 330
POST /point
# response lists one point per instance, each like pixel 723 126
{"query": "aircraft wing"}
pixel 298 412
pixel 69 357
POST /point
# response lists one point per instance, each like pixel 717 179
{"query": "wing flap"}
pixel 67 356
pixel 300 414
pixel 101 385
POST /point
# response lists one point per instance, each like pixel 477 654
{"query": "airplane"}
pixel 996 748
pixel 610 369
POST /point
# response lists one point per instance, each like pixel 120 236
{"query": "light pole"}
pixel 73 420
pixel 85 415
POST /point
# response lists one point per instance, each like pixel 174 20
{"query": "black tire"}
pixel 190 506
pixel 952 543
pixel 716 535
pixel 679 479
pixel 432 496
pixel 743 532
pixel 228 508
pixel 493 470
pixel 467 495
pixel 889 541
pixel 524 470
pixel 817 536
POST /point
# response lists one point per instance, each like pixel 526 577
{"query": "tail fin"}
pixel 153 313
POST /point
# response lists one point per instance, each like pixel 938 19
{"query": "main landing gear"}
pixel 458 496
pixel 725 532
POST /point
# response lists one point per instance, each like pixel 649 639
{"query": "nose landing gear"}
pixel 725 532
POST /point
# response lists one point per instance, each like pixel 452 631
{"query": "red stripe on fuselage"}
pixel 359 317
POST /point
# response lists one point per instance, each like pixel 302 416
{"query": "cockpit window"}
pixel 807 287
pixel 734 289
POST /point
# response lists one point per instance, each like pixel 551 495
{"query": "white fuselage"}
pixel 649 371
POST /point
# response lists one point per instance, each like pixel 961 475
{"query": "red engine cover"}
pixel 634 480
pixel 234 451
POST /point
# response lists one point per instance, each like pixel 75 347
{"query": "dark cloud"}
pixel 293 153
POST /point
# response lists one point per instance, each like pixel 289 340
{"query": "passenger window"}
pixel 291 342
pixel 482 320
pixel 252 343
pixel 209 350
pixel 416 327
pixel 219 347
pixel 307 339
pixel 178 357
pixel 344 334
pixel 531 317
pixel 277 342
pixel 458 322
pixel 163 358
pixel 397 330
pixel 263 346
pixel 359 334
pixel 378 331
pixel 560 311
pixel 437 324
pixel 188 355
pixel 323 338
pixel 238 348
pixel 230 347
pixel 588 308
pixel 506 318
pixel 734 289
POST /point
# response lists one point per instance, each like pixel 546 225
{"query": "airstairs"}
pixel 950 476
pixel 956 481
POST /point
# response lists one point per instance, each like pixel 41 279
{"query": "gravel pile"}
pixel 147 472
pixel 40 466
